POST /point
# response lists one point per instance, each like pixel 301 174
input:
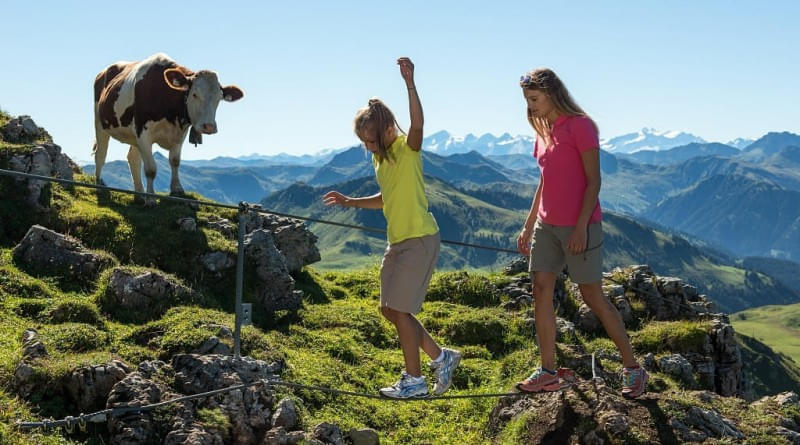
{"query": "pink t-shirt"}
pixel 562 171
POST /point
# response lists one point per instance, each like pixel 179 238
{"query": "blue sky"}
pixel 717 69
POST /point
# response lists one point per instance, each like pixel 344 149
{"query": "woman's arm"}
pixel 414 139
pixel 368 202
pixel 577 241
pixel 591 166
pixel 524 238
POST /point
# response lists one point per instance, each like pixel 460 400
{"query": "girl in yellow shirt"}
pixel 412 233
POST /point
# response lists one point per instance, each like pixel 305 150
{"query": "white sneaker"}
pixel 444 370
pixel 406 388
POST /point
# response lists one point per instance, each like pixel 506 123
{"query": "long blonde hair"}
pixel 376 117
pixel 546 81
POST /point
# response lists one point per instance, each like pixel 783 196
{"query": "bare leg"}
pixel 412 337
pixel 608 314
pixel 543 285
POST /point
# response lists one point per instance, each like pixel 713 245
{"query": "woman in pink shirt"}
pixel 564 225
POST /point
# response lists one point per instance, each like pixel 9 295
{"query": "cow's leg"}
pixel 175 187
pixel 146 152
pixel 100 151
pixel 135 163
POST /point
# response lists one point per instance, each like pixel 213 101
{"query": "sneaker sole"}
pixel 418 396
pixel 456 362
pixel 553 387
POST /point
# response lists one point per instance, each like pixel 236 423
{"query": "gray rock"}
pixel 291 237
pixel 134 428
pixel 217 261
pixel 43 160
pixel 89 386
pixel 285 415
pixel 712 423
pixel 275 289
pixel 688 435
pixel 366 436
pixel 614 423
pixel 129 291
pixel 587 321
pixel 649 362
pixel 193 434
pixel 49 252
pixel 670 285
pixel 788 398
pixel 328 433
pixel 187 224
pixel 519 265
pixel 677 366
pixel 213 345
pixel 21 129
pixel 793 437
pixel 624 307
pixel 224 227
pixel 32 347
pixel 565 330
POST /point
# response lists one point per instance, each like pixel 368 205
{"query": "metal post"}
pixel 237 341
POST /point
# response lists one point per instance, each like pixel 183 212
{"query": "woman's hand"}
pixel 524 241
pixel 406 70
pixel 335 198
pixel 576 243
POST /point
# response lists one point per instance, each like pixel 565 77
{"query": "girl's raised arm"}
pixel 414 106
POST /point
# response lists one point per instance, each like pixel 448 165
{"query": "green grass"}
pixel 776 326
pixel 337 339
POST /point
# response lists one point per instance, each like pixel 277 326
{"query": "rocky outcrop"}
pixel 664 298
pixel 275 288
pixel 22 130
pixel 47 252
pixel 32 349
pixel 291 237
pixel 140 296
pixel 251 412
pixel 89 386
pixel 42 158
pixel 594 413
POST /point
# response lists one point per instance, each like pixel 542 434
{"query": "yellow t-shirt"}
pixel 403 190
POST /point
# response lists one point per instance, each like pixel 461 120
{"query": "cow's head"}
pixel 203 95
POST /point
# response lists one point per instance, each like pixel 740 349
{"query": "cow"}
pixel 154 101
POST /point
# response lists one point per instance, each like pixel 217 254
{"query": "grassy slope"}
pixel 776 326
pixel 464 217
pixel 337 339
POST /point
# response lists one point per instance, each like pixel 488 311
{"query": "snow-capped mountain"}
pixel 445 144
pixel 648 139
pixel 740 143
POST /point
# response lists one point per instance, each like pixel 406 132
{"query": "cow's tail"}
pixel 94 148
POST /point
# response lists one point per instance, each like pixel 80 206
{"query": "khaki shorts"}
pixel 549 252
pixel 406 272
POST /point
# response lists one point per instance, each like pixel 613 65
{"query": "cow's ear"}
pixel 232 93
pixel 176 79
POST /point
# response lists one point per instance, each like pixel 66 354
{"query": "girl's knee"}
pixel 388 313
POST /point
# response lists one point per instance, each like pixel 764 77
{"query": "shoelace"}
pixel 629 377
pixel 536 374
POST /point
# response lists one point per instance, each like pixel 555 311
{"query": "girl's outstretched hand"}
pixel 335 198
pixel 406 70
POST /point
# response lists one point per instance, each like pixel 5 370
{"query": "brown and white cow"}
pixel 155 101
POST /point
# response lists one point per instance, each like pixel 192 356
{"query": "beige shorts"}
pixel 406 272
pixel 549 252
